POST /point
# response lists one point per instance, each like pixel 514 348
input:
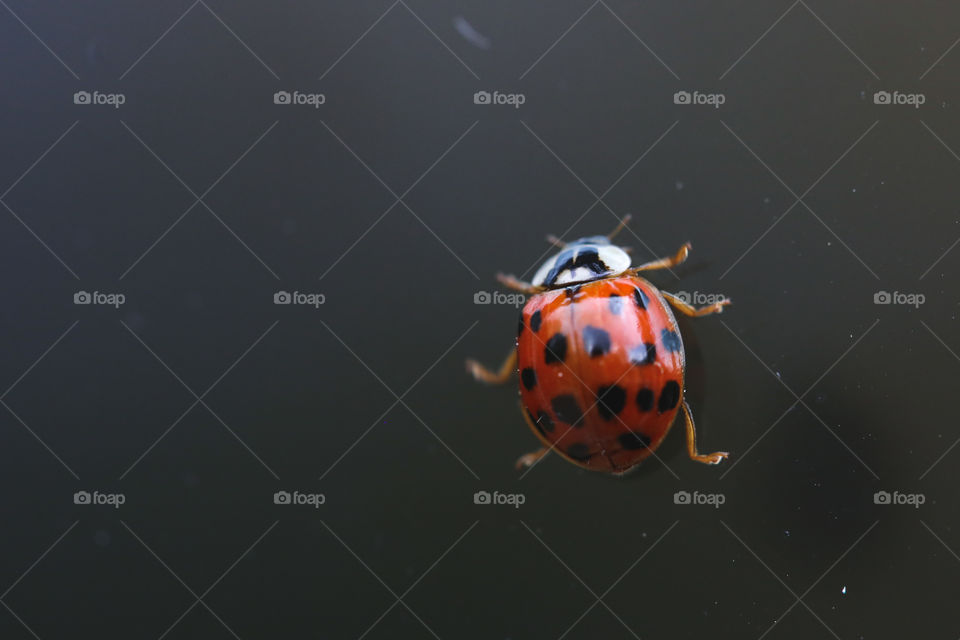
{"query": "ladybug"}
pixel 600 357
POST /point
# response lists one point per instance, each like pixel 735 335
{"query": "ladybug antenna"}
pixel 623 223
pixel 555 241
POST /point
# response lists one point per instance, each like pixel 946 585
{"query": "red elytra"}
pixel 600 358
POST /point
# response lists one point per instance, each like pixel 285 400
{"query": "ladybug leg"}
pixel 707 458
pixel 516 284
pixel 500 376
pixel 692 311
pixel 664 263
pixel 623 223
pixel 532 458
pixel 555 241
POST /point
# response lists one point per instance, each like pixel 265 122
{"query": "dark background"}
pixel 297 398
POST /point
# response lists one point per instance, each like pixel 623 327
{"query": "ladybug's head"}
pixel 582 260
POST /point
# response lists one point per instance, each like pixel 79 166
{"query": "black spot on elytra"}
pixel 579 451
pixel 529 378
pixel 567 409
pixel 556 350
pixel 616 303
pixel 541 422
pixel 640 298
pixel 669 396
pixel 633 440
pixel 611 401
pixel 535 321
pixel 596 341
pixel 645 399
pixel 645 353
pixel 671 340
pixel 544 421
